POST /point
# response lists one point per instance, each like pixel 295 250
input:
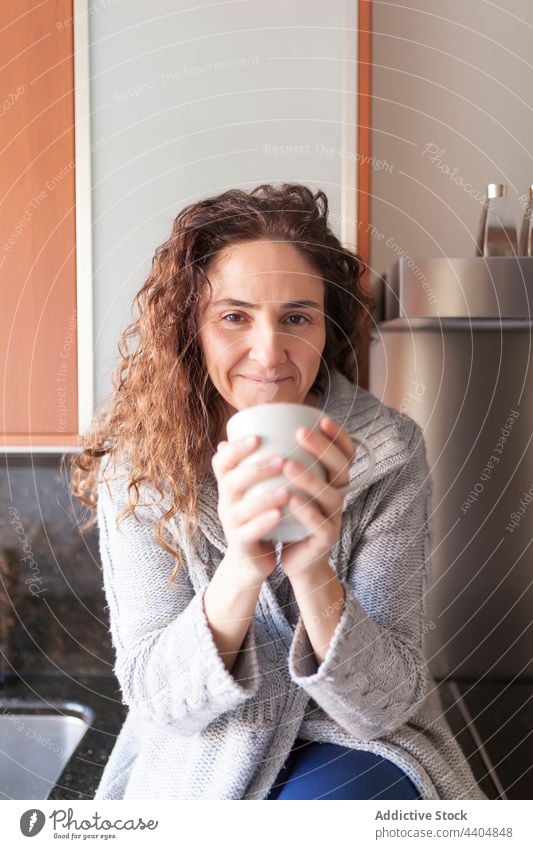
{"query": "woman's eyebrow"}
pixel 230 302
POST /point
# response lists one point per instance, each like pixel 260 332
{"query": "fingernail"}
pixel 250 440
pixel 272 462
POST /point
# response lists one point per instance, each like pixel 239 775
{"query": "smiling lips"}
pixel 262 380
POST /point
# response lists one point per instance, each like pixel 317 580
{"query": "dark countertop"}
pixel 502 718
pixel 491 721
pixel 81 776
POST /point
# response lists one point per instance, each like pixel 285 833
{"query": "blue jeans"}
pixel 325 771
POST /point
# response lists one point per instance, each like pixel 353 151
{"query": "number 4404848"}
pixel 487 832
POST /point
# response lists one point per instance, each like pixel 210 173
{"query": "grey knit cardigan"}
pixel 195 730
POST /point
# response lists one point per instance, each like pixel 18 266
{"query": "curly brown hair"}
pixel 165 412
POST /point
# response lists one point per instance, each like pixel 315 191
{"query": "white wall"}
pixel 170 125
pixel 459 76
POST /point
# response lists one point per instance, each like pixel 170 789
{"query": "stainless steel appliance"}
pixel 453 351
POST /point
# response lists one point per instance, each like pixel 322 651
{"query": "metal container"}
pixel 463 287
pixel 465 380
pixel 525 247
pixel 498 236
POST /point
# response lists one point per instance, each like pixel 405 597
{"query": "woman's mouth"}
pixel 266 382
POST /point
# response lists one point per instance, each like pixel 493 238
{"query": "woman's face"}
pixel 263 328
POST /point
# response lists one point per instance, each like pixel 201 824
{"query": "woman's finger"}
pixel 229 454
pixel 253 530
pixel 238 480
pixel 333 447
pixel 320 527
pixel 322 492
pixel 338 435
pixel 253 504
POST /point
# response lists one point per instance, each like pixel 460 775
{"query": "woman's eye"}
pixel 306 320
pixel 235 315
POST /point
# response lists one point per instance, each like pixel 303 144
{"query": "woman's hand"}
pixel 334 448
pixel 246 517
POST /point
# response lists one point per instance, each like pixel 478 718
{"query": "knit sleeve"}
pixel 167 662
pixel 373 677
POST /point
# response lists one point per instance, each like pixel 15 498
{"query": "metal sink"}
pixel 37 741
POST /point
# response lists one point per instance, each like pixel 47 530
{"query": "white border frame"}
pixel 83 213
pixel 84 264
pixel 350 117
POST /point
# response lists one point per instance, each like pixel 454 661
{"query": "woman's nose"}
pixel 269 347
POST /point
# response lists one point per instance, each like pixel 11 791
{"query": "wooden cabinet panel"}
pixel 38 338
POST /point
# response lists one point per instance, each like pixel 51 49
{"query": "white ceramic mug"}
pixel 276 425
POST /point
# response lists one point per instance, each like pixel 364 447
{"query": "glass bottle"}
pixel 525 247
pixel 498 236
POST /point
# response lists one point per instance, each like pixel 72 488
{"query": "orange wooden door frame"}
pixel 364 102
pixel 363 128
pixel 38 319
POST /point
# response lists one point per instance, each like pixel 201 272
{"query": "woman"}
pixel 254 670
